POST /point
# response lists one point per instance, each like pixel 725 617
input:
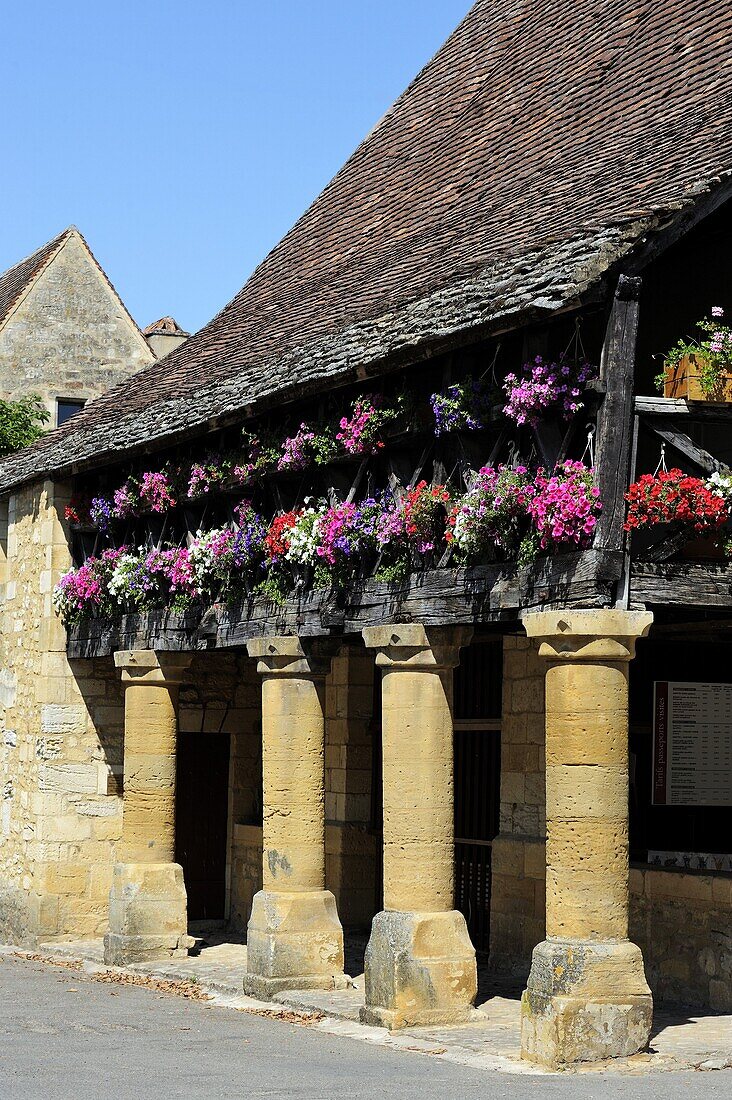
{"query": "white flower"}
pixel 118 584
pixel 305 538
pixel 721 483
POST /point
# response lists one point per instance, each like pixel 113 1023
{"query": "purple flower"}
pixel 100 512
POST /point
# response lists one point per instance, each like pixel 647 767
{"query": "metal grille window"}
pixel 477 727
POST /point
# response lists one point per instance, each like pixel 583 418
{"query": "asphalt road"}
pixel 66 1037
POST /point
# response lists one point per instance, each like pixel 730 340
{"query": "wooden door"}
pixel 201 828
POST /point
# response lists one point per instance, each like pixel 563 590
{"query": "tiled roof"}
pixel 166 326
pixel 18 278
pixel 538 147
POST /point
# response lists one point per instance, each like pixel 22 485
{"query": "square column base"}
pixel 420 970
pixel 585 1002
pixel 147 914
pixel 294 941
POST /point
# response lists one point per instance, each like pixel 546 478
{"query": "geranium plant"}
pixel 714 354
pixel 77 510
pixel 544 386
pixel 425 516
pixel 673 497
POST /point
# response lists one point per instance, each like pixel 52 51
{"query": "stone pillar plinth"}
pixel 294 936
pixel 147 901
pixel 587 997
pixel 420 963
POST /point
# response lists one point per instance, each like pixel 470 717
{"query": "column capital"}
pixel 414 646
pixel 592 635
pixel 292 655
pixel 150 667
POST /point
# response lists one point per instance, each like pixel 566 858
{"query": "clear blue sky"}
pixel 184 137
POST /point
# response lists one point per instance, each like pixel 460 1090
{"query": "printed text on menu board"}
pixel 692 744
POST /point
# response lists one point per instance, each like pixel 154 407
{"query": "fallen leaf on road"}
pixel 191 990
pixel 290 1017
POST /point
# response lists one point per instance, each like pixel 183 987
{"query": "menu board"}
pixel 692 744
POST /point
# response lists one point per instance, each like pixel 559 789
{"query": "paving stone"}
pixel 491 1040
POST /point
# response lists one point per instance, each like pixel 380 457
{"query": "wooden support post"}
pixel 615 417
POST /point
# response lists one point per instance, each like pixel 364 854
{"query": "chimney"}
pixel 164 335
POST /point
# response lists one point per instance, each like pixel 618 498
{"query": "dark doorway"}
pixel 477 718
pixel 201 827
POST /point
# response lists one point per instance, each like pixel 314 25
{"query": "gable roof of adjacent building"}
pixel 18 280
pixel 546 143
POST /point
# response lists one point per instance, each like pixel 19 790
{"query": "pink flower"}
pixel 156 492
pixel 717 311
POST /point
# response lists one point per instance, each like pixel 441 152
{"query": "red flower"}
pixel 671 496
pixel 277 539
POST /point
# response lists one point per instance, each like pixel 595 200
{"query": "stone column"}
pixel 420 963
pixel 294 936
pixel 147 902
pixel 587 997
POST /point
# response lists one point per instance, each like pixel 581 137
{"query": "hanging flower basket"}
pixel 685 379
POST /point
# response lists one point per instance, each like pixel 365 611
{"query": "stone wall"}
pixel 70 337
pixel 61 753
pixel 683 924
pixel 518 852
pixel 351 847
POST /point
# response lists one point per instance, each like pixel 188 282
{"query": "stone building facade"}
pixel 64 331
pixel 295 760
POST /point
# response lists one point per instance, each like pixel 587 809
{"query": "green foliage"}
pixel 21 423
pixel 274 588
pixel 529 549
pixel 395 572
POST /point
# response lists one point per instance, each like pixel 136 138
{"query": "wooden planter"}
pixel 703 548
pixel 683 380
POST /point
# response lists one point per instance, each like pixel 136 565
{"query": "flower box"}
pixel 704 548
pixel 683 380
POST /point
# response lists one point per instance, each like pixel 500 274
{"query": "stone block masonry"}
pixel 586 997
pixel 518 852
pixel 60 743
pixel 420 964
pixel 294 936
pixel 683 923
pixel 70 336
